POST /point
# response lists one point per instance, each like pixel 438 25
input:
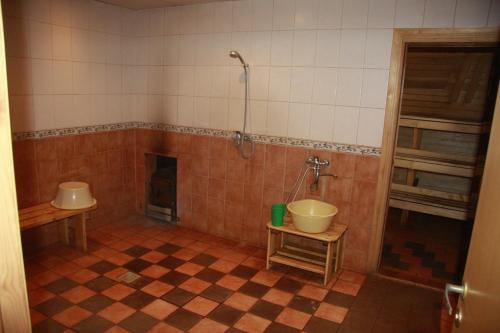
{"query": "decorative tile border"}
pixel 277 140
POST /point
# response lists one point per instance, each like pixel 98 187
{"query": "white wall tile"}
pixel 259 82
pixel 409 13
pixel 20 79
pixel 302 84
pixel 38 10
pixel 63 117
pixel 472 13
pixel 374 91
pixel 381 13
pixel 330 14
pixel 281 48
pixel 82 77
pixel 306 14
pixel 439 13
pixel 186 81
pixel 170 110
pixel 203 81
pixel 370 127
pixel 61 12
pixel 328 48
pixel 279 83
pixel 155 80
pixel 284 14
pixel 156 20
pixel 187 19
pixel 63 77
pixel 219 108
pixel 355 14
pixel 236 82
pixel 325 85
pixel 114 79
pixel 241 42
pixel 171 50
pixel 170 80
pixel 277 118
pixel 349 87
pixel 203 50
pixel 235 114
pixel 172 17
pixel 261 48
pixel 262 15
pixel 187 49
pixel 221 43
pixel 258 117
pixel 16 37
pixel 222 16
pixel 23 119
pixel 204 18
pixel 80 12
pixel 155 50
pixel 42 76
pixel 40 39
pixel 345 125
pixel 299 120
pixel 304 47
pixel 185 111
pixel 352 48
pixel 43 107
pixel 242 15
pixel 322 122
pixel 61 42
pixel 202 112
pixel 378 48
pixel 220 81
pixel 98 79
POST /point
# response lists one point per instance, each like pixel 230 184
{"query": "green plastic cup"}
pixel 277 213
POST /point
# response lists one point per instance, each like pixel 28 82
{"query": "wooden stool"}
pixel 45 213
pixel 307 259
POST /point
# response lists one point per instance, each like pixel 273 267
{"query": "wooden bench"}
pixel 310 260
pixel 45 213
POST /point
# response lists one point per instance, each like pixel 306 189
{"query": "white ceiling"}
pixel 144 4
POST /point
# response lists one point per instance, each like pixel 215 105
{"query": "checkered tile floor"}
pixel 190 282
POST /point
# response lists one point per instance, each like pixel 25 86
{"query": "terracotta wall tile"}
pixel 235 170
pixel 216 188
pixel 216 213
pixel 367 168
pixel 275 156
pixel 200 146
pixel 217 169
pixel 343 165
pixel 235 192
pixel 184 143
pixel 218 148
pixel 170 142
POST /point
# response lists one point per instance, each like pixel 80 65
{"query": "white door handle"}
pixel 453 288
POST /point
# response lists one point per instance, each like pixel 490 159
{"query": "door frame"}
pixel 401 39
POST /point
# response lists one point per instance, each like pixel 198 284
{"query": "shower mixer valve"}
pixel 316 163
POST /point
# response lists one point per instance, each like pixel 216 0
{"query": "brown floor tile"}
pixel 204 259
pixel 293 318
pixel 252 323
pixel 118 291
pixel 159 309
pixel 313 292
pixel 116 312
pixel 339 299
pixel 254 289
pixel 244 272
pixel 318 325
pixel 288 285
pixel 102 267
pixel 303 304
pixel 168 248
pixel 96 303
pixel 266 310
pixel 45 278
pixel 189 268
pixel 138 322
pixel 280 328
pixel 36 317
pixel 48 326
pixel 99 284
pixel 178 296
pixel 331 312
pixel 200 305
pixel 138 300
pixel 226 315
pixel 155 271
pixel 209 275
pixel 171 262
pixel 345 287
pixel 137 265
pixel 267 278
pixel 241 301
pixel 38 296
pixel 78 294
pixel 231 282
pixel 53 306
pixel 208 326
pixel 61 285
pixel 183 319
pixel 157 288
pixel 136 251
pixel 277 296
pixel 217 293
pixel 71 316
pixel 174 278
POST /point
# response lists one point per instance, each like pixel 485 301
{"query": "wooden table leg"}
pixel 81 233
pixel 337 254
pixel 63 231
pixel 270 247
pixel 328 263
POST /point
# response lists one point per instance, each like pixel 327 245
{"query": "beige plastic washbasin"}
pixel 311 216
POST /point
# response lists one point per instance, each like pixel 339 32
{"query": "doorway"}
pixel 440 107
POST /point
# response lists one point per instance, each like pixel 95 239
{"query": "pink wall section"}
pixel 219 192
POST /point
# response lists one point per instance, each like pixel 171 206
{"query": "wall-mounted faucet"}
pixel 316 163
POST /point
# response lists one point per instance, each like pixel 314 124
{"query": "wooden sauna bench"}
pixel 45 213
pixel 307 259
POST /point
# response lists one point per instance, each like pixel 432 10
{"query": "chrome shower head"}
pixel 235 54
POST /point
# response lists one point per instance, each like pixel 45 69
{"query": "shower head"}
pixel 235 54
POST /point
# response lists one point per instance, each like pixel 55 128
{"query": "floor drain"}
pixel 129 277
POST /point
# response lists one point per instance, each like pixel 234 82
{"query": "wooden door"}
pixel 14 310
pixel 480 308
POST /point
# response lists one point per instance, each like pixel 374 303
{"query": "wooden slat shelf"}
pixel 444 125
pixel 297 263
pixel 436 156
pixel 421 164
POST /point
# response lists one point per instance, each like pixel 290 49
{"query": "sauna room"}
pixel 260 166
